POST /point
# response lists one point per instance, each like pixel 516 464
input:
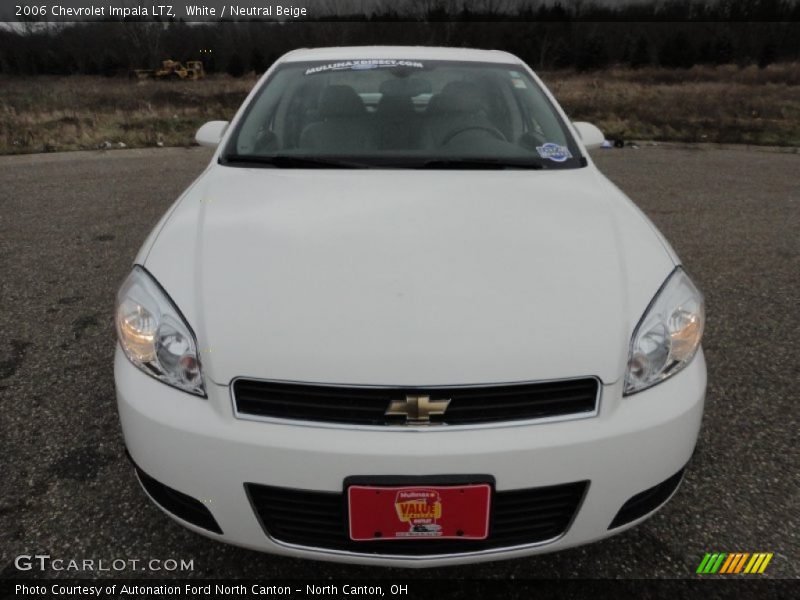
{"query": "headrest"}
pixel 460 96
pixel 340 101
pixel 405 86
pixel 395 105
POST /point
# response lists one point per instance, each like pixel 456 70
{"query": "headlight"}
pixel 669 334
pixel 154 335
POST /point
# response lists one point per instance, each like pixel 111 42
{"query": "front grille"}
pixel 368 405
pixel 319 520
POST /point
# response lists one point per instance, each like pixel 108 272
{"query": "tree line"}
pixel 547 35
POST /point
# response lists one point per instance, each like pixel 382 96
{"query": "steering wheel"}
pixel 531 139
pixel 496 133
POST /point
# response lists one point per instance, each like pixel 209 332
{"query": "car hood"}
pixel 409 278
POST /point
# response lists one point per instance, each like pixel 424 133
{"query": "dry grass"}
pixel 50 114
pixel 704 104
pixel 725 104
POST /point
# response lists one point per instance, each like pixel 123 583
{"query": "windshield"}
pixel 401 113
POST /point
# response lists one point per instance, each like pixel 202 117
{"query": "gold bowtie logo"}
pixel 417 410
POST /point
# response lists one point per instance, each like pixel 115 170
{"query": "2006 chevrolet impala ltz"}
pixel 402 318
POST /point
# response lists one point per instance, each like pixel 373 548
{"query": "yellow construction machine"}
pixel 173 69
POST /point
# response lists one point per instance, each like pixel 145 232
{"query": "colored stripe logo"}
pixel 732 563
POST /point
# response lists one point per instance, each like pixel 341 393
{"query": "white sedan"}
pixel 402 319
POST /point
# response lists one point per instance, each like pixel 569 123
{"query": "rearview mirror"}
pixel 590 135
pixel 211 133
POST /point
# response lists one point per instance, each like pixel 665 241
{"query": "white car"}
pixel 403 319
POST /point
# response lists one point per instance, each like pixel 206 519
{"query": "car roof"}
pixel 400 52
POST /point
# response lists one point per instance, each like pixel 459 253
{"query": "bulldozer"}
pixel 173 69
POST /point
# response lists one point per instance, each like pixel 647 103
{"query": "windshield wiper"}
pixel 286 161
pixel 481 163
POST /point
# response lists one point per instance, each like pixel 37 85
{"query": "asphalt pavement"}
pixel 70 225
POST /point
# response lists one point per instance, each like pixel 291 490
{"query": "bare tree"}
pixel 143 42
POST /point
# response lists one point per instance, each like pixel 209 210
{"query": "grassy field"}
pixel 52 114
pixel 725 104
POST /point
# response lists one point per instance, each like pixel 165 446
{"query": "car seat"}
pixel 345 126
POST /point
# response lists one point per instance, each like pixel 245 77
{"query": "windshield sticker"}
pixel 519 84
pixel 554 152
pixel 515 74
pixel 364 65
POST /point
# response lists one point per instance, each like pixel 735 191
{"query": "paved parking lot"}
pixel 70 225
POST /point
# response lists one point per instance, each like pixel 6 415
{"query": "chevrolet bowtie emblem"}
pixel 417 410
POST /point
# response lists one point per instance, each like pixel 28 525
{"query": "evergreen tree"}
pixel 236 66
pixel 677 51
pixel 257 61
pixel 722 50
pixel 768 54
pixel 591 54
pixel 640 55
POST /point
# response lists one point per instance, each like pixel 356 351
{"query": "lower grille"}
pixel 179 504
pixel 368 405
pixel 319 520
pixel 647 501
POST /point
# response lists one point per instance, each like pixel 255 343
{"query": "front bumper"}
pixel 199 448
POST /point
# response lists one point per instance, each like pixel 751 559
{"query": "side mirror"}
pixel 591 136
pixel 211 133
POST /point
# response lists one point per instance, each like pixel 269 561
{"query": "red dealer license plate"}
pixel 426 512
